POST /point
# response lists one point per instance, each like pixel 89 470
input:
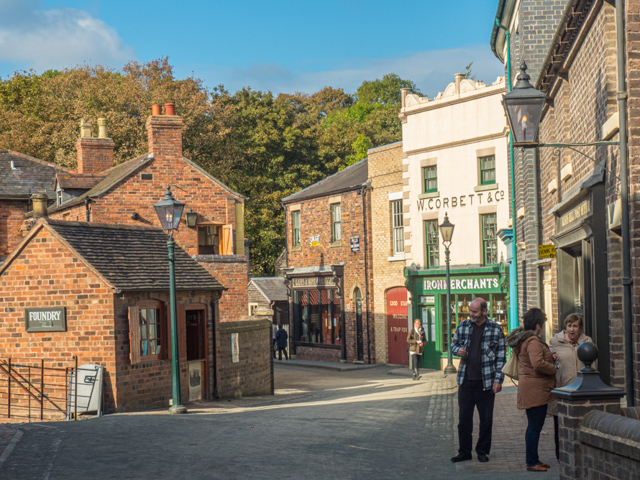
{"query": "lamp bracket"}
pixel 572 146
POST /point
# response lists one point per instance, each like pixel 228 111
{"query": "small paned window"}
pixel 295 222
pixel 148 330
pixel 432 237
pixel 397 227
pixel 336 223
pixel 489 239
pixel 487 170
pixel 430 179
pixel 215 240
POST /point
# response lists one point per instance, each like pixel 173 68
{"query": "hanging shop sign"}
pixel 47 319
pixel 470 200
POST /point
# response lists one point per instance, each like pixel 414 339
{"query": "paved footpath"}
pixel 383 446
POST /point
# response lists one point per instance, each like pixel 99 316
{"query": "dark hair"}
pixel 574 317
pixel 533 317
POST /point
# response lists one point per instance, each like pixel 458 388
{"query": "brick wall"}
pixel 11 219
pixel 315 219
pixel 94 154
pixel 385 172
pixel 233 272
pixel 252 374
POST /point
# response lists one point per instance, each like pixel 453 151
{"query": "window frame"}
pixel 136 347
pixel 431 247
pixel 426 180
pixel 488 240
pixel 336 222
pixel 482 170
pixel 397 227
pixel 296 239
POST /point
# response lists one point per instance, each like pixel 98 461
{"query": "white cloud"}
pixel 48 39
pixel 430 70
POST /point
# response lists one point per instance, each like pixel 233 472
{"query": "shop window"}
pixel 487 170
pixel 432 253
pixel 397 227
pixel 148 331
pixel 215 240
pixel 336 223
pixel 489 239
pixel 430 179
pixel 295 222
pixel 317 316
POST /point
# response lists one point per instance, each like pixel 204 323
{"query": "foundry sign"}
pixel 48 319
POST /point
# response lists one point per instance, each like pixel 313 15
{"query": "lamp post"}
pixel 169 212
pixel 446 230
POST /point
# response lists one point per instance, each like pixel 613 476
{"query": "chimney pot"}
pixel 170 108
pixel 85 128
pixel 156 109
pixel 102 128
pixel 39 202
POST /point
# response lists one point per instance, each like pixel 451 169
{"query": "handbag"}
pixel 512 367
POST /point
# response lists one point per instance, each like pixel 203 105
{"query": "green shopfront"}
pixel 428 292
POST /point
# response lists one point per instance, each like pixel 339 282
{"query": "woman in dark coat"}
pixel 416 340
pixel 537 377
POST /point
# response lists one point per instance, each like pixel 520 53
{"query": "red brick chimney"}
pixel 94 154
pixel 165 132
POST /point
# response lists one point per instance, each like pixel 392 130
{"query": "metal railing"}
pixel 32 389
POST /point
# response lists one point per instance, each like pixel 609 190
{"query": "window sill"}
pixel 336 244
pixel 429 195
pixel 484 188
pixel 297 248
pixel 396 258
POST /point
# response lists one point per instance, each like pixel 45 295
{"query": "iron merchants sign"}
pixel 48 319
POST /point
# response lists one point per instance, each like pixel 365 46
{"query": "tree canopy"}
pixel 263 146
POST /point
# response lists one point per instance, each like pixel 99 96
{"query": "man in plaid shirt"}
pixel 480 344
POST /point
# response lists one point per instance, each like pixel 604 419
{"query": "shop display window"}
pixel 317 316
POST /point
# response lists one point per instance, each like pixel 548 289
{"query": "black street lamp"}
pixel 523 106
pixel 169 212
pixel 446 230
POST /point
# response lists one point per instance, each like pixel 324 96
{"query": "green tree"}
pixel 385 91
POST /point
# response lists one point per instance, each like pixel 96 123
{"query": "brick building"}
pixel 110 284
pixel 455 163
pixel 21 176
pixel 124 194
pixel 390 317
pixel 329 268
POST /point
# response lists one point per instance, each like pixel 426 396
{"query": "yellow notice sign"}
pixel 546 251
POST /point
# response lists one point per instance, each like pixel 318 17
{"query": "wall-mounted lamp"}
pixel 134 216
pixel 191 218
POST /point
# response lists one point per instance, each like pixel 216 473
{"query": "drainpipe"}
pixel 292 324
pixel 366 262
pixel 627 281
pixel 513 266
pixel 214 311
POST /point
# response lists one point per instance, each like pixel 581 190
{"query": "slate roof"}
pixel 28 175
pixel 77 181
pixel 272 288
pixel 351 178
pixel 129 258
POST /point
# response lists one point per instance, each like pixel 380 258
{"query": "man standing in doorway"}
pixel 480 344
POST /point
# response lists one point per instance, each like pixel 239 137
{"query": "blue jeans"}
pixel 535 416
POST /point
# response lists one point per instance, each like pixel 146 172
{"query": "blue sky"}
pixel 282 45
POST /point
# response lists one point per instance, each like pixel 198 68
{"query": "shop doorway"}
pixel 430 356
pixel 358 299
pixel 196 340
pixel 397 326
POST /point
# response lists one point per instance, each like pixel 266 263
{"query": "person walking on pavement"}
pixel 274 331
pixel 537 377
pixel 416 340
pixel 281 340
pixel 480 344
pixel 564 346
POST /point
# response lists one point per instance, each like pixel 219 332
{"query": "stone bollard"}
pixel 587 392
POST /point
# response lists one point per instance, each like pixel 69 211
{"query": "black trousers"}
pixel 415 358
pixel 280 350
pixel 471 395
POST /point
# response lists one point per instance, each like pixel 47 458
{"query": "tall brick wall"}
pixel 233 272
pixel 252 373
pixel 385 172
pixel 11 219
pixel 315 219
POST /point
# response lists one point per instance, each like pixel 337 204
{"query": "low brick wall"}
pixel 249 369
pixel 322 354
pixel 610 445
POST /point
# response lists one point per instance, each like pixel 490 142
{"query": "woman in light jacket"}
pixel 416 340
pixel 564 346
pixel 537 378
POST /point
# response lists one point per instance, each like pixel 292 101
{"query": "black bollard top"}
pixel 587 353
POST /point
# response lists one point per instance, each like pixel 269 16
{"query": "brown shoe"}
pixel 544 465
pixel 536 468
